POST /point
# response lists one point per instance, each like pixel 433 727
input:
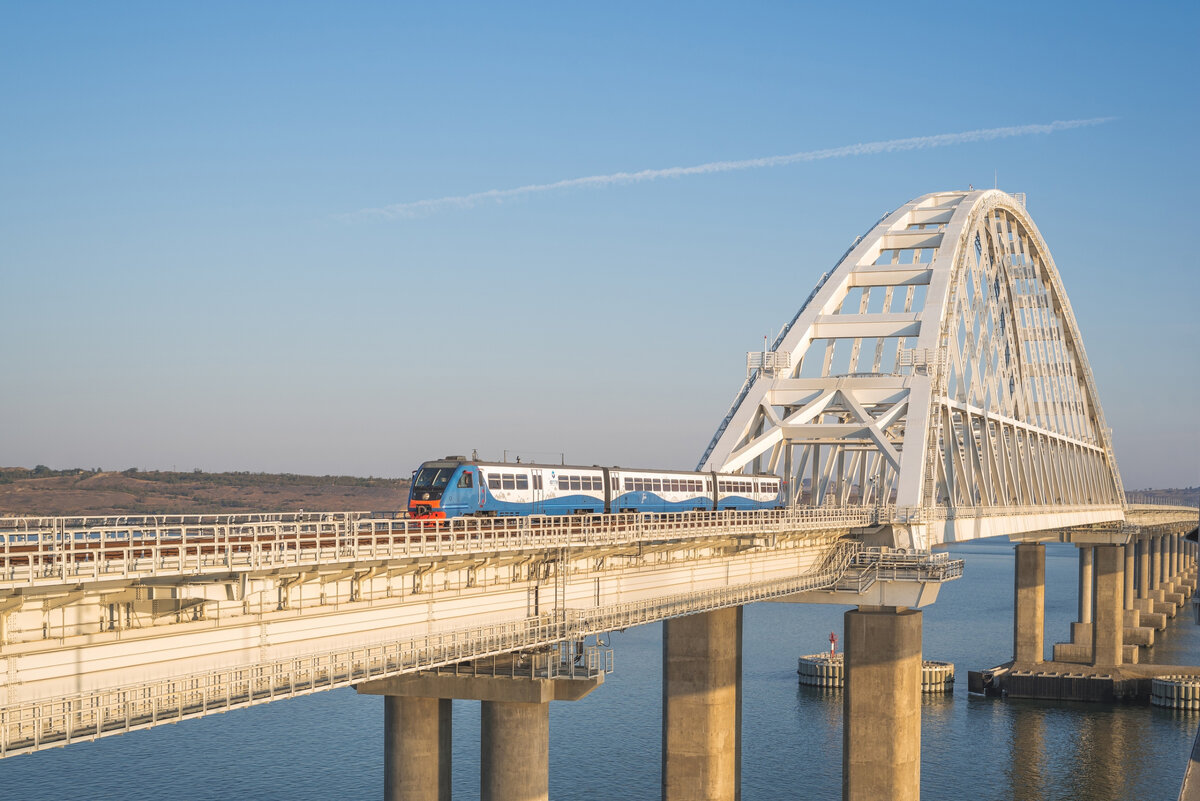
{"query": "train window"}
pixel 658 485
pixel 464 481
pixel 597 483
pixel 509 481
pixel 494 481
pixel 537 482
pixel 523 482
pixel 629 485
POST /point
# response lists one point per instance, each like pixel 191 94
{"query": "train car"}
pixel 457 487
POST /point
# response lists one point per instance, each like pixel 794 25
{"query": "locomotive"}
pixel 458 487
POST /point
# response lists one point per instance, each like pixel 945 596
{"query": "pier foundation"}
pixel 702 707
pixel 881 707
pixel 416 749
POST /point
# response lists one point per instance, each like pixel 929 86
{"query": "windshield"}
pixel 432 477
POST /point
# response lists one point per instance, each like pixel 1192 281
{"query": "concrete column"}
pixel 416 748
pixel 1086 555
pixel 1143 568
pixel 1130 561
pixel 1174 538
pixel 702 707
pixel 881 705
pixel 1156 564
pixel 1029 604
pixel 514 751
pixel 1108 630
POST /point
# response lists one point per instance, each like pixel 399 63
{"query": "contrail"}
pixel 417 207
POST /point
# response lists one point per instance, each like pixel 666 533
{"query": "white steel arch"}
pixel 938 369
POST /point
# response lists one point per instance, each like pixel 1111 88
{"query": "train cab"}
pixel 442 488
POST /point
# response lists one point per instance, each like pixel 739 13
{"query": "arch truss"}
pixel 937 371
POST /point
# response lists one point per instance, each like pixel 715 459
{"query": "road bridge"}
pixel 933 389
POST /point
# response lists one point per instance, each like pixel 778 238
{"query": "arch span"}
pixel 937 370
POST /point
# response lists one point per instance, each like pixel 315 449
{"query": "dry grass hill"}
pixel 42 491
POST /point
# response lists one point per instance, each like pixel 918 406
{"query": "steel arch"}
pixel 939 369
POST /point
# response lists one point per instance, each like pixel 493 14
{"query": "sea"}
pixel 330 745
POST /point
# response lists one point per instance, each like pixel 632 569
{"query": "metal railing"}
pixel 51 551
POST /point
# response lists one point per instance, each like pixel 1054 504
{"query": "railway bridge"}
pixel 932 389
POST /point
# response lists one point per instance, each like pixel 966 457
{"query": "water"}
pixel 329 745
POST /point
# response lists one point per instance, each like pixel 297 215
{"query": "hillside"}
pixel 42 491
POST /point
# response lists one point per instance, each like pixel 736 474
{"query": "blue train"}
pixel 458 487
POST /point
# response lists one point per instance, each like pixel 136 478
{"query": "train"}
pixel 459 487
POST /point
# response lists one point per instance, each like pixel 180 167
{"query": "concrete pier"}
pixel 1109 619
pixel 514 730
pixel 1130 562
pixel 416 748
pixel 1029 603
pixel 881 707
pixel 1156 566
pixel 1086 559
pixel 514 751
pixel 1143 568
pixel 702 707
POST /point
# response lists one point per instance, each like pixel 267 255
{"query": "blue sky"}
pixel 183 285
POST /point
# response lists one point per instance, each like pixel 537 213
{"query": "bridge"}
pixel 932 389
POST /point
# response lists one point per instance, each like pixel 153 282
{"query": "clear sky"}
pixel 186 282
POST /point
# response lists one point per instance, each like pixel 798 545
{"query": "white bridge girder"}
pixel 937 369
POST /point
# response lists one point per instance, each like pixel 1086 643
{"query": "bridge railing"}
pixel 49 551
pixel 57 550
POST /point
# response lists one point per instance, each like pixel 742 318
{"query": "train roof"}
pixel 457 461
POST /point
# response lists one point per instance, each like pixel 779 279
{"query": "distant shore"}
pixel 41 491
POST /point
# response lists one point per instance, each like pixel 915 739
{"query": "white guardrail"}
pixel 56 550
pixel 50 551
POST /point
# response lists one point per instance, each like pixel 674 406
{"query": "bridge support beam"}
pixel 881 705
pixel 1029 604
pixel 702 707
pixel 1108 630
pixel 416 748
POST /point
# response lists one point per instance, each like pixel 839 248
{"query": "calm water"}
pixel 329 746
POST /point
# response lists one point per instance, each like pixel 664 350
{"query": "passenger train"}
pixel 458 487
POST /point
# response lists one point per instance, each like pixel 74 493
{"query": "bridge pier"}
pixel 881 705
pixel 1029 604
pixel 1081 629
pixel 514 751
pixel 702 707
pixel 1108 628
pixel 514 731
pixel 416 748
